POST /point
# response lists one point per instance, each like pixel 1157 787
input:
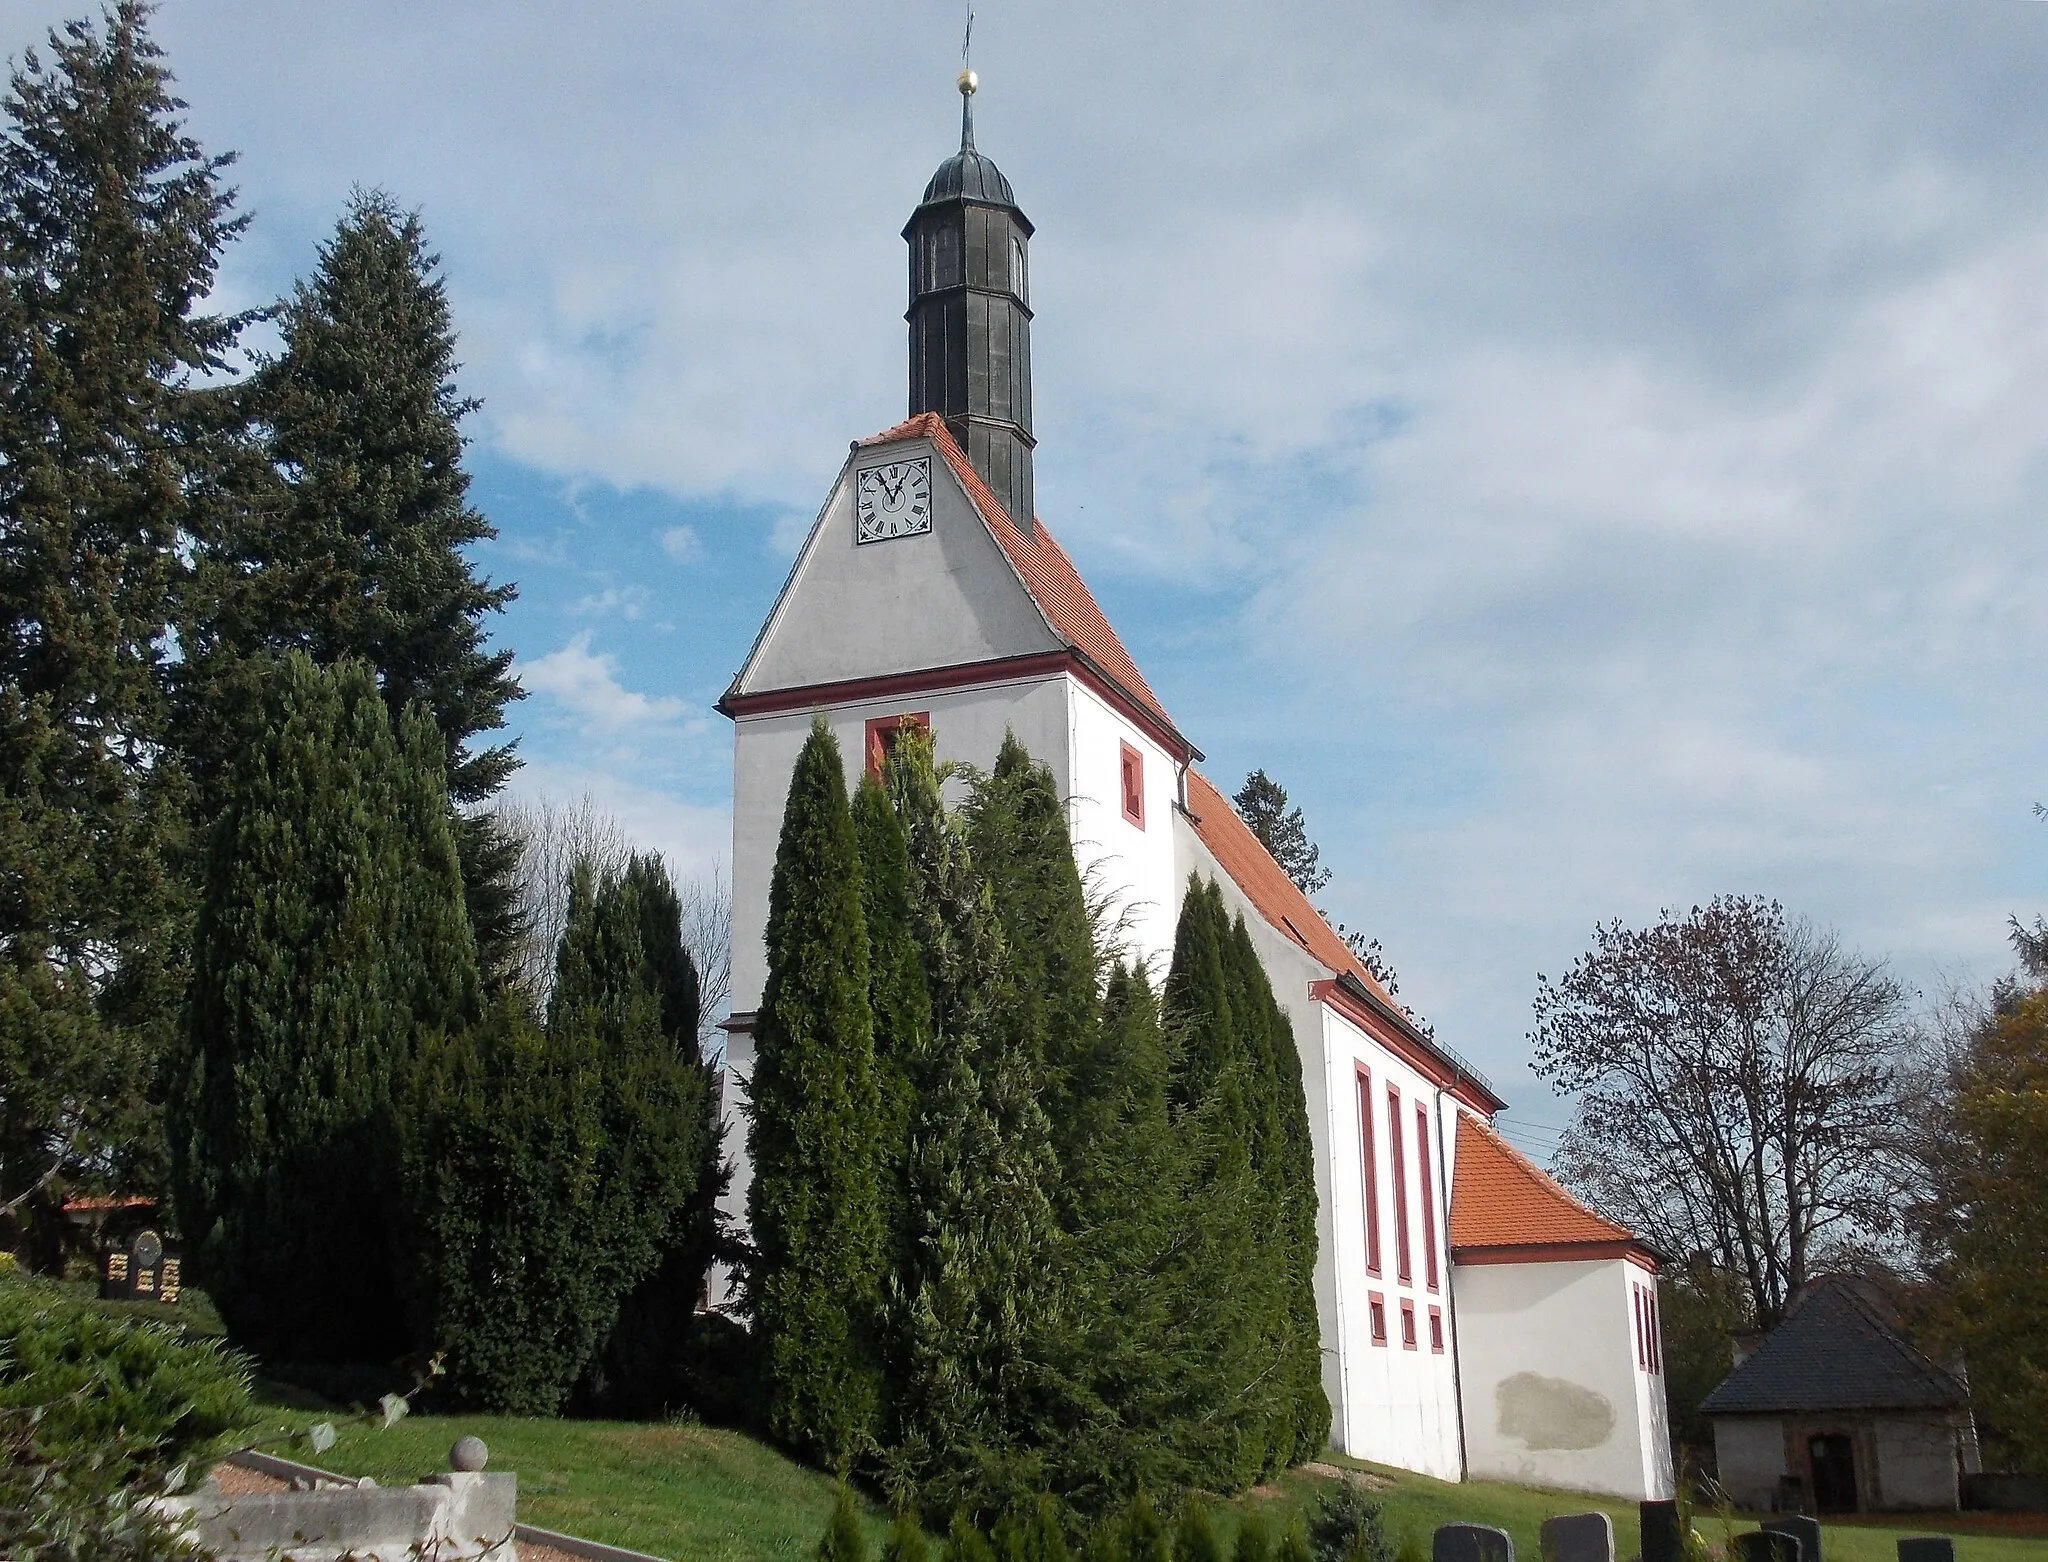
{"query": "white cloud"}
pixel 696 840
pixel 587 686
pixel 682 544
pixel 627 602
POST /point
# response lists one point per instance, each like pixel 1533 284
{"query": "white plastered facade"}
pixel 883 630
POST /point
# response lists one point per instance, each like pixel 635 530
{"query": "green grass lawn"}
pixel 693 1492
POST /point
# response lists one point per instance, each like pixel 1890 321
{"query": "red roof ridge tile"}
pixel 1048 574
pixel 1501 1198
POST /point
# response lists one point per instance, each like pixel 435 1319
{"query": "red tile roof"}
pixel 1266 884
pixel 1042 564
pixel 1501 1199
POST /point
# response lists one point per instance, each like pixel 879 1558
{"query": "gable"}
pixel 946 598
pixel 1501 1200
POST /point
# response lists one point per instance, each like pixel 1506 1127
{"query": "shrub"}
pixel 906 1542
pixel 134 1395
pixel 843 1540
pixel 1348 1526
pixel 76 1505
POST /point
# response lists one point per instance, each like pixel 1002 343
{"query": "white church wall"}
pixel 1399 1402
pixel 943 599
pixel 1554 1392
pixel 1132 863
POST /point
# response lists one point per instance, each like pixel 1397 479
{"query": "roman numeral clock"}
pixel 893 500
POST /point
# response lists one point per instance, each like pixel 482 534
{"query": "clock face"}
pixel 893 500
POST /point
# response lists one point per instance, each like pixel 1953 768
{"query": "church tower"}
pixel 970 316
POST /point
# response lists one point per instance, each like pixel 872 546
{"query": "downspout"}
pixel 1443 1182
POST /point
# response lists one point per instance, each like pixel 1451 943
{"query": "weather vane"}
pixel 968 82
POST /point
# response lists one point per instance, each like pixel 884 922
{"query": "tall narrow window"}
pixel 1642 1334
pixel 1397 1158
pixel 1428 1195
pixel 1133 779
pixel 1368 1174
pixel 1656 1329
pixel 884 732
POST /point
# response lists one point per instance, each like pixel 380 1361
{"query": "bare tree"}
pixel 553 837
pixel 1736 1074
pixel 707 935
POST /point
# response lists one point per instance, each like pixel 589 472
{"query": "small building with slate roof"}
pixel 1836 1412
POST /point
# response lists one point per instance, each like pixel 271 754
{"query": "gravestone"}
pixel 1766 1545
pixel 1579 1537
pixel 1806 1529
pixel 141 1272
pixel 1927 1548
pixel 1661 1541
pixel 1471 1543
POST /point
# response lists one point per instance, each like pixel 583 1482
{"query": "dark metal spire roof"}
pixel 967 175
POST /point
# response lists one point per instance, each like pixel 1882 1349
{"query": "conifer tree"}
pixel 813 1205
pixel 906 1542
pixel 112 221
pixel 1262 804
pixel 353 544
pixel 1017 830
pixel 1285 1154
pixel 638 1371
pixel 331 941
pixel 843 1540
pixel 981 1313
pixel 902 1011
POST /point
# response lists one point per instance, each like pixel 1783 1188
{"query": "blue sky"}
pixel 1592 455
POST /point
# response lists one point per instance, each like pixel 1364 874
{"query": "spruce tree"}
pixel 112 221
pixel 331 943
pixel 813 1204
pixel 354 543
pixel 1262 804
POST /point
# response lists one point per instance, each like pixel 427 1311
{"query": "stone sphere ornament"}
pixel 468 1455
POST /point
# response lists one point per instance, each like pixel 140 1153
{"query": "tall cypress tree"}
pixel 112 221
pixel 331 941
pixel 983 1312
pixel 1284 1157
pixel 1221 1085
pixel 902 1009
pixel 1017 830
pixel 354 544
pixel 813 1204
pixel 638 1371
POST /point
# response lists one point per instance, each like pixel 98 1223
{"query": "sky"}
pixel 1592 455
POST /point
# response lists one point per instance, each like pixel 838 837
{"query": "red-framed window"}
pixel 1376 1316
pixel 1651 1312
pixel 1436 1330
pixel 1131 783
pixel 1428 1195
pixel 1642 1330
pixel 1397 1158
pixel 1368 1172
pixel 1407 1326
pixel 883 732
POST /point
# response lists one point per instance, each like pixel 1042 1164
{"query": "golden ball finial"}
pixel 968 82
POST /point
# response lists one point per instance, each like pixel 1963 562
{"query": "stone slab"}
pixel 1661 1541
pixel 1807 1529
pixel 1764 1545
pixel 1927 1548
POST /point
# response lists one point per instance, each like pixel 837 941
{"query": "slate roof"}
pixel 1836 1351
pixel 1501 1199
pixel 1042 564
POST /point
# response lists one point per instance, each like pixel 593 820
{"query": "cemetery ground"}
pixel 683 1490
pixel 687 1491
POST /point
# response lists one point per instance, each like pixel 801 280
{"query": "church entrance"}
pixel 1834 1472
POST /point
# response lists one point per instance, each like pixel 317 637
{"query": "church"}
pixel 1476 1320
